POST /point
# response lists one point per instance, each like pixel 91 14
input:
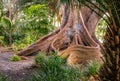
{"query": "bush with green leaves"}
pixel 5 27
pixel 1 40
pixel 27 25
pixel 92 69
pixel 54 68
pixel 34 22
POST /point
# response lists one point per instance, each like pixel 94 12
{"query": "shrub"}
pixel 92 68
pixel 15 58
pixel 53 68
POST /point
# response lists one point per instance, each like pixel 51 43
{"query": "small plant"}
pixel 93 67
pixel 3 78
pixel 40 59
pixel 16 58
pixel 1 40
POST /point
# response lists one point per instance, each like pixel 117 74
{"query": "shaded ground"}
pixel 15 71
pixel 18 71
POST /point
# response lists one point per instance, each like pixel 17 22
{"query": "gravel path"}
pixel 15 71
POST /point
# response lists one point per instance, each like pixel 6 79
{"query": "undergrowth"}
pixel 54 68
pixel 3 78
pixel 15 58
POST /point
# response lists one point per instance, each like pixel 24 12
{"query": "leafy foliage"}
pixel 54 68
pixel 1 40
pixel 15 58
pixel 39 18
pixel 6 22
pixel 27 25
pixel 30 19
pixel 34 22
pixel 3 77
pixel 5 27
pixel 92 68
pixel 101 30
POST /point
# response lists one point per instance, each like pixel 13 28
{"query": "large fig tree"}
pixel 75 37
pixel 77 31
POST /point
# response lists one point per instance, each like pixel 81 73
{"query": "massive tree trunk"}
pixel 76 34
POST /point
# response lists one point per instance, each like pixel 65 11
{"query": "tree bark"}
pixel 77 28
pixel 111 43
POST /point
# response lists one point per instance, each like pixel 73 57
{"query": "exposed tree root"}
pixel 77 31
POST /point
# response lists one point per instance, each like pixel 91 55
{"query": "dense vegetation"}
pixel 21 24
pixel 53 68
pixel 29 24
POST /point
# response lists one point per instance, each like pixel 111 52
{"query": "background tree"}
pixel 34 22
pixel 26 22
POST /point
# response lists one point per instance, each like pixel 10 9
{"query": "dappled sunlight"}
pixel 101 30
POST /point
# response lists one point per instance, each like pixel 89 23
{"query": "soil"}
pixel 15 71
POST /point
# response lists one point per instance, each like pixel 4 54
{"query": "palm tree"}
pixel 110 71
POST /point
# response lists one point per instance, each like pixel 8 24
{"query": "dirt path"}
pixel 15 71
